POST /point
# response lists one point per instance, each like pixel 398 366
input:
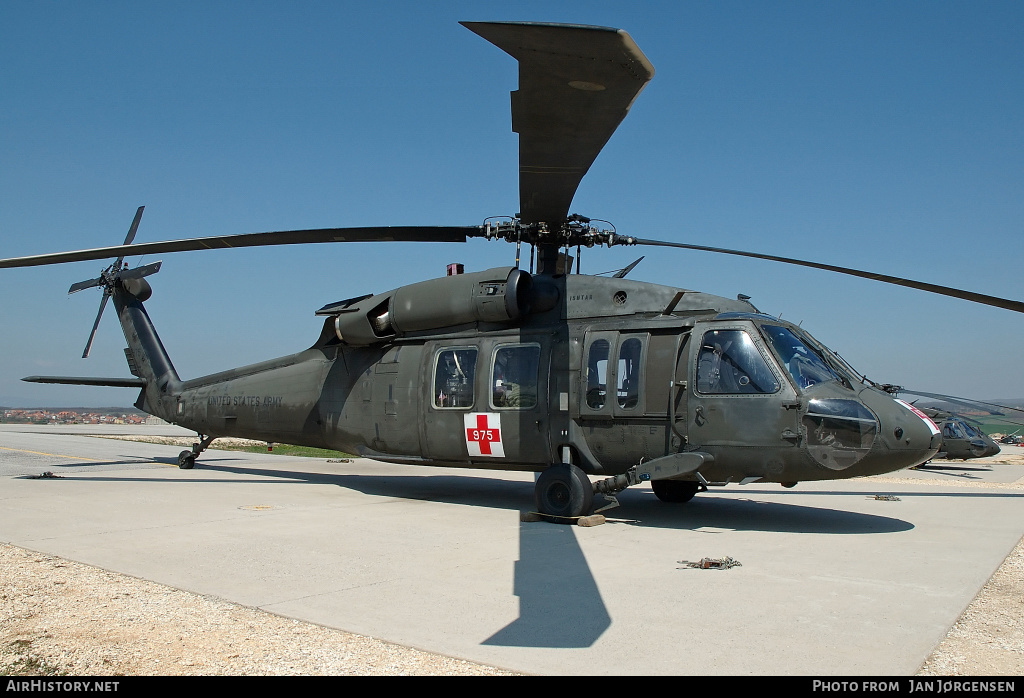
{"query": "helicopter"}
pixel 595 383
pixel 962 438
pixel 1013 439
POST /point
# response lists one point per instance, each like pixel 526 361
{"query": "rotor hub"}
pixel 575 231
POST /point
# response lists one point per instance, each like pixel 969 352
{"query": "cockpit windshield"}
pixel 839 365
pixel 954 429
pixel 803 363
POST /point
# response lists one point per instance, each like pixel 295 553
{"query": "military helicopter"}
pixel 1013 439
pixel 962 438
pixel 540 368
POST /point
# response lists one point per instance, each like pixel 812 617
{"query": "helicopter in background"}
pixel 539 369
pixel 1013 439
pixel 962 438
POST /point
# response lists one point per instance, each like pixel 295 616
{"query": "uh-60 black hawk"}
pixel 595 382
pixel 963 438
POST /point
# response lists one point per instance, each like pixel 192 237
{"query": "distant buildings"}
pixel 68 416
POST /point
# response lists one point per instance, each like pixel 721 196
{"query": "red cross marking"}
pixel 483 435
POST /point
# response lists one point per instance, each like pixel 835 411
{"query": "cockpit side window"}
pixel 803 364
pixel 730 363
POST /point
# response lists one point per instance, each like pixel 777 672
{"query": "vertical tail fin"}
pixel 146 355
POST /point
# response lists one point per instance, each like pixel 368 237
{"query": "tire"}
pixel 186 461
pixel 674 491
pixel 564 490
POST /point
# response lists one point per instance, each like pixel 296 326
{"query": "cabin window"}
pixel 597 374
pixel 628 376
pixel 453 377
pixel 730 363
pixel 514 376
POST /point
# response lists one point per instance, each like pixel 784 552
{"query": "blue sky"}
pixel 886 136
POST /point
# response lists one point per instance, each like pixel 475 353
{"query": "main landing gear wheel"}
pixel 186 461
pixel 564 490
pixel 675 491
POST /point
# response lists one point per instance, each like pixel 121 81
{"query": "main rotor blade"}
pixel 576 84
pixel 1005 303
pixel 977 404
pixel 284 237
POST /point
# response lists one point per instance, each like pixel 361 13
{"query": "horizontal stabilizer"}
pixel 75 380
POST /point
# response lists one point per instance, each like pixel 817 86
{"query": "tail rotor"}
pixel 118 274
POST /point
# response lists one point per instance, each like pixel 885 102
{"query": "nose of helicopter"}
pixel 982 448
pixel 907 435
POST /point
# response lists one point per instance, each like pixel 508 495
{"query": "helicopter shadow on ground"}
pixel 998 494
pixel 639 507
pixel 69 470
pixel 942 468
pixel 744 512
pixel 467 489
pixel 567 612
pixel 86 466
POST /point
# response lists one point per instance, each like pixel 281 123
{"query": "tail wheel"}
pixel 186 461
pixel 564 490
pixel 675 491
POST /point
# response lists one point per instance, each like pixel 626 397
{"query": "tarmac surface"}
pixel 858 577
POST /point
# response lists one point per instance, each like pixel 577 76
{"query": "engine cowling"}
pixel 500 295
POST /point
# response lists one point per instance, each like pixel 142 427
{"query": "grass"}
pixel 234 444
pixel 284 450
pixel 996 425
pixel 21 662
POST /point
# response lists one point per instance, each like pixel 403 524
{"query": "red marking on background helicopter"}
pixel 922 415
pixel 483 434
